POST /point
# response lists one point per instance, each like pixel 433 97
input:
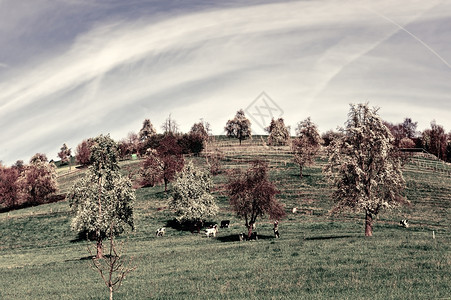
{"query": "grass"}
pixel 319 256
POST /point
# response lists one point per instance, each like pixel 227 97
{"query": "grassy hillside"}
pixel 318 255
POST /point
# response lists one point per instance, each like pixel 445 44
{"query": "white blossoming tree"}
pixel 103 196
pixel 366 175
pixel 279 134
pixel 191 197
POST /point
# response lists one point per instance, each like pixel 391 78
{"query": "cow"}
pixel 160 231
pixel 225 224
pixel 294 210
pixel 404 223
pixel 211 231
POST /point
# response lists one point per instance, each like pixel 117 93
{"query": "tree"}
pixel 252 194
pixel 114 267
pixel 307 143
pixel 162 164
pixel 362 168
pixel 330 136
pixel 239 127
pixel 9 187
pixel 191 143
pixel 38 180
pixel 64 154
pixel 191 197
pixel 170 126
pixel 102 197
pixel 145 135
pixel 279 134
pixel 409 128
pixel 130 145
pixel 83 152
pixel 435 140
pixel 201 129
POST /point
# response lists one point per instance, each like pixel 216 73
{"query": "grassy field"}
pixel 319 255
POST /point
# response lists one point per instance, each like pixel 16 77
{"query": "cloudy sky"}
pixel 72 69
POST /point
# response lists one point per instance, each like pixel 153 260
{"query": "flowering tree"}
pixel 102 197
pixel 362 168
pixel 252 195
pixel 239 127
pixel 191 197
pixel 279 134
pixel 306 145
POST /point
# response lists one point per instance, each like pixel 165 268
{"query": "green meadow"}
pixel 319 255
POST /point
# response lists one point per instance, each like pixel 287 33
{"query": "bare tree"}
pixel 170 126
pixel 114 267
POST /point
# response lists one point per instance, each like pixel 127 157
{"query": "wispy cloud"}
pixel 309 56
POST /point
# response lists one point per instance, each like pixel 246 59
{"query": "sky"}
pixel 74 69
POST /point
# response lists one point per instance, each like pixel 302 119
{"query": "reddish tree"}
pixel 83 152
pixel 9 187
pixel 64 154
pixel 38 180
pixel 162 164
pixel 253 195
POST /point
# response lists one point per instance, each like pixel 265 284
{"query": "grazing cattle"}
pixel 225 223
pixel 276 229
pixel 404 223
pixel 211 231
pixel 253 236
pixel 294 210
pixel 241 236
pixel 161 231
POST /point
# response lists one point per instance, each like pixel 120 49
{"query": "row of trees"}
pixel 24 185
pixel 363 167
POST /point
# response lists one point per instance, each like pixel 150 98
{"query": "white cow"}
pixel 404 223
pixel 161 231
pixel 211 231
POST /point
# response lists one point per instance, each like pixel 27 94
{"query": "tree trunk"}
pixel 368 224
pixel 99 246
pixel 165 185
pixel 249 232
pixel 111 293
pixel 300 171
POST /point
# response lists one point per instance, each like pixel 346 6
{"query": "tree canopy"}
pixel 191 197
pixel 252 194
pixel 102 200
pixel 279 134
pixel 362 167
pixel 239 127
pixel 307 143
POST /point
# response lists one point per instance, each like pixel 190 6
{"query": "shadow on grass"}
pixel 193 227
pixel 236 238
pixel 329 237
